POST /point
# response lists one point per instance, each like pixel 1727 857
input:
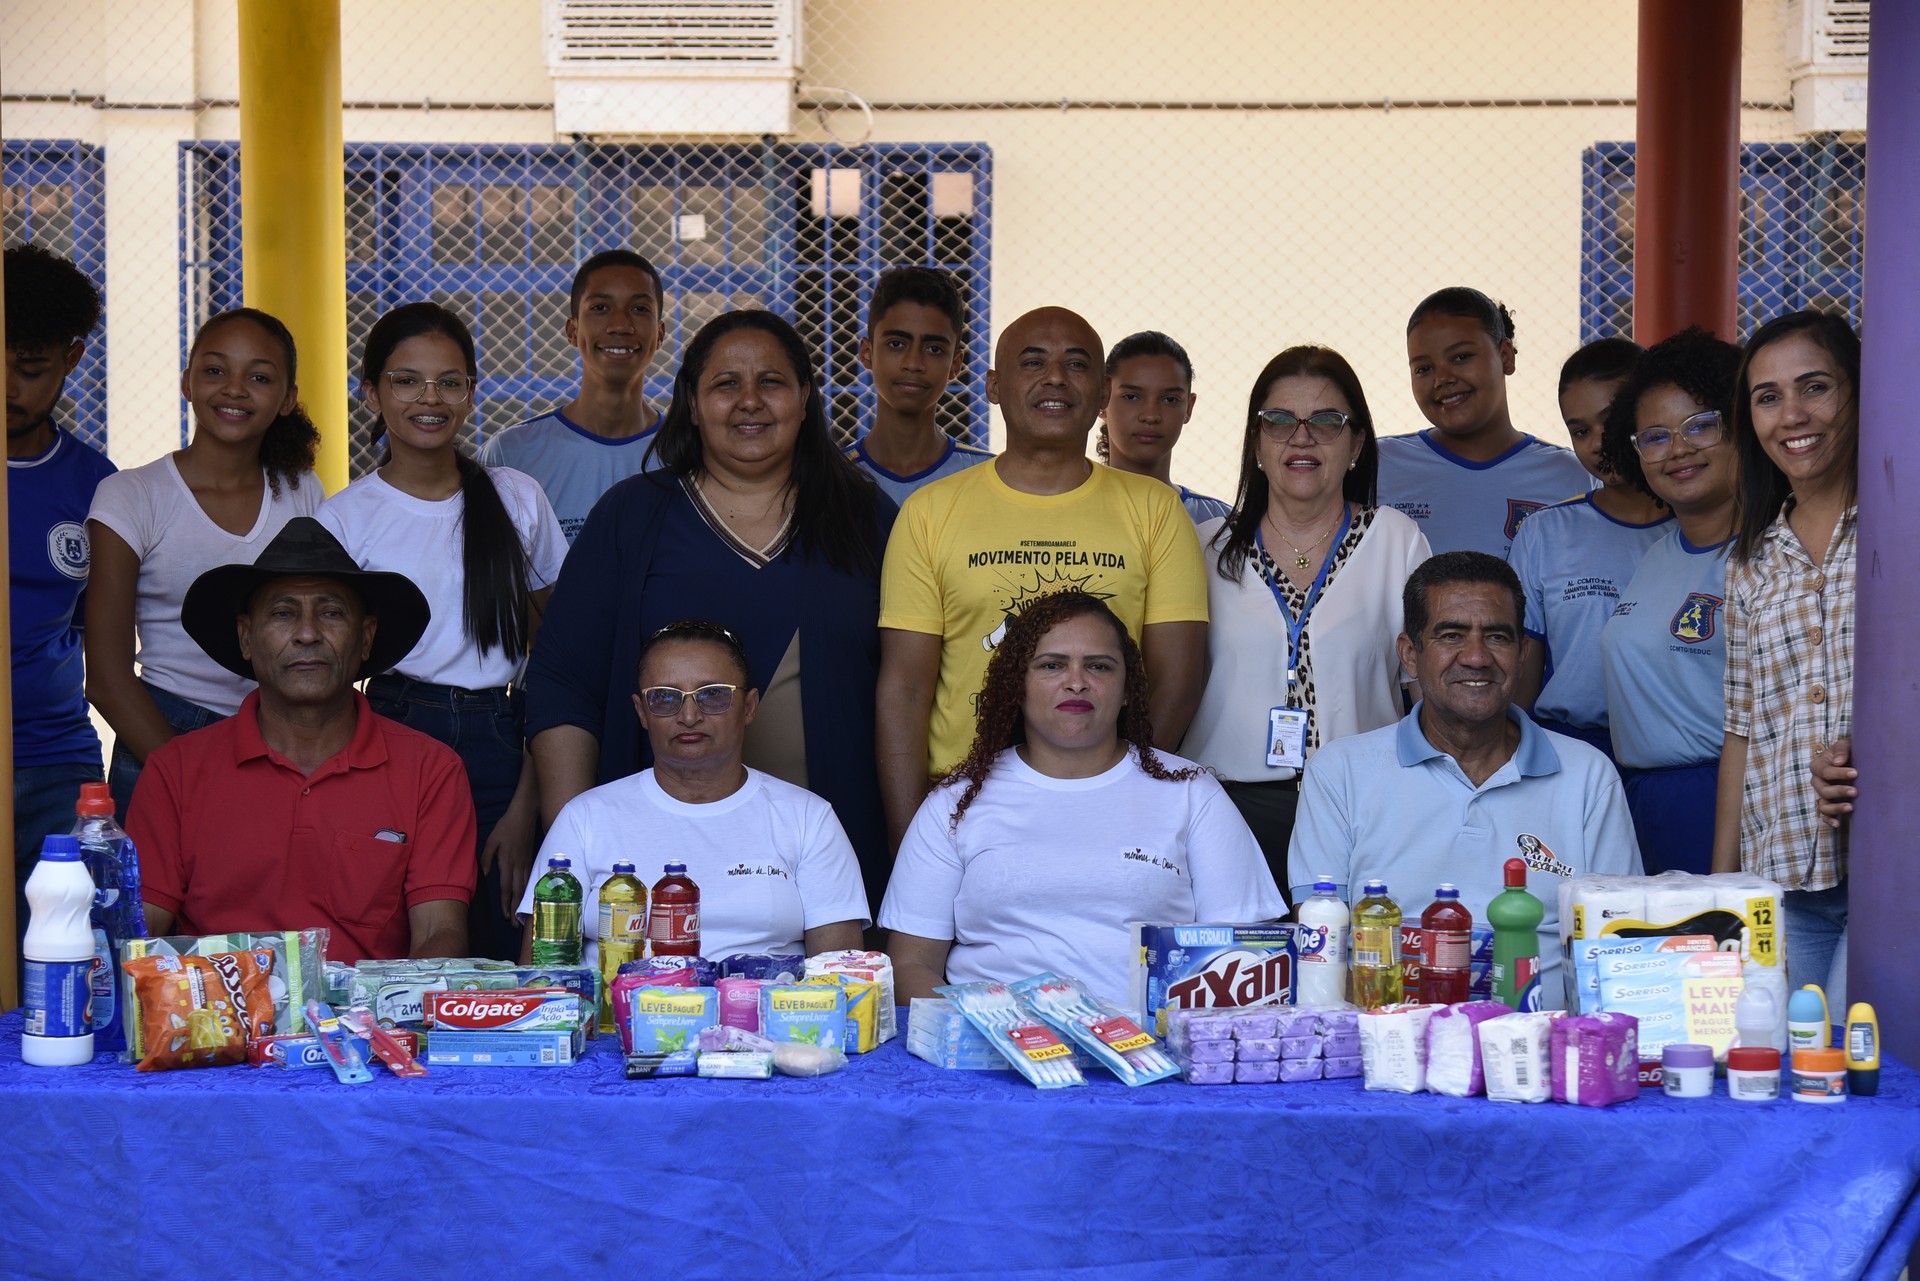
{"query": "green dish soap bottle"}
pixel 1515 916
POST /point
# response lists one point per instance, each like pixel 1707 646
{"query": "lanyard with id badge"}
pixel 1287 724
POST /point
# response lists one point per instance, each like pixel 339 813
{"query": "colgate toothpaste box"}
pixel 546 1009
pixel 504 1049
pixel 1207 966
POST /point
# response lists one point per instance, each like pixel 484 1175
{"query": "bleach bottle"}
pixel 1322 970
pixel 60 958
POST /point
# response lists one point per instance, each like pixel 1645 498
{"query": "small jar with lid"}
pixel 1820 1076
pixel 1753 1074
pixel 1686 1071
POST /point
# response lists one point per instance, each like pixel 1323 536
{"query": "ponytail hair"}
pixel 291 443
pixel 493 559
pixel 1466 303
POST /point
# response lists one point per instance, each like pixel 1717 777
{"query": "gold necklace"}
pixel 1301 558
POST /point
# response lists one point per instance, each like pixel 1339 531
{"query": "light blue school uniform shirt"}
pixel 1573 559
pixel 1388 804
pixel 1664 652
pixel 573 465
pixel 957 458
pixel 1202 508
pixel 1468 506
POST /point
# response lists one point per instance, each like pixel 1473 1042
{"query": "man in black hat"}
pixel 305 808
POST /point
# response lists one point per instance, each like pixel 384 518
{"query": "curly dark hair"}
pixel 291 443
pixel 49 301
pixel 1003 696
pixel 1694 361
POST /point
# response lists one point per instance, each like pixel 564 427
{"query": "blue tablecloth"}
pixel 896 1168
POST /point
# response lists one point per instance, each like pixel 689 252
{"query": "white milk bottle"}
pixel 1323 947
pixel 60 958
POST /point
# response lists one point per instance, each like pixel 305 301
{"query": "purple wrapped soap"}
pixel 1267 1051
pixel 1253 1027
pixel 1288 1021
pixel 1300 1047
pixel 1210 1051
pixel 1334 1069
pixel 1596 1059
pixel 1210 1073
pixel 1185 1027
pixel 1340 1045
pixel 1328 1022
pixel 1300 1069
pixel 1266 1073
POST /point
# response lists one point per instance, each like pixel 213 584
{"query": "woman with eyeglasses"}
pixel 1787 782
pixel 775 870
pixel 247 471
pixel 1062 824
pixel 754 516
pixel 1573 558
pixel 1305 594
pixel 1664 648
pixel 485 547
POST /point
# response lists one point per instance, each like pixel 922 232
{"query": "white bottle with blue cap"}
pixel 60 958
pixel 1322 952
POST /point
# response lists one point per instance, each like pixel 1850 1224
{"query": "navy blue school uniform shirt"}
pixel 47 502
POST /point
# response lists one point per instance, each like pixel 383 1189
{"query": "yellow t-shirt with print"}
pixel 968 553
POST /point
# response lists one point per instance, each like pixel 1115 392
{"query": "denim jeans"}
pixel 486 728
pixel 44 797
pixel 124 771
pixel 1817 943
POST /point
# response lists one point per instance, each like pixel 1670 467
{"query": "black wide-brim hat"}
pixel 304 549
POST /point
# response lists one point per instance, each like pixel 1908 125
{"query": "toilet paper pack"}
pixel 1738 910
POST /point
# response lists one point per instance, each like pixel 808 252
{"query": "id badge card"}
pixel 1287 737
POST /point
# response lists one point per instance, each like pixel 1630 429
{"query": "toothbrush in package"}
pixel 1028 1043
pixel 1103 1030
pixel 343 1056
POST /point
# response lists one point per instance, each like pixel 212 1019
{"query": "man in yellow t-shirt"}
pixel 970 551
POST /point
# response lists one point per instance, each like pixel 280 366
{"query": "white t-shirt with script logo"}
pixel 1045 873
pixel 771 860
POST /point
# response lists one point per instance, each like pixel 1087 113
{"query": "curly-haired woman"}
pixel 1062 824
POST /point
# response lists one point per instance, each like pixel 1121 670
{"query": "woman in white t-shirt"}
pixel 775 869
pixel 1303 593
pixel 247 471
pixel 483 544
pixel 1063 824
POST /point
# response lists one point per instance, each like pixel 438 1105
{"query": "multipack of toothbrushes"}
pixel 1098 1027
pixel 1033 1048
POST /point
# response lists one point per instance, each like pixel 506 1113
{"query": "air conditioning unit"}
pixel 1827 63
pixel 673 66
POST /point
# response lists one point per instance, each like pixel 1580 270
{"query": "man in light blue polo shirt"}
pixel 1465 781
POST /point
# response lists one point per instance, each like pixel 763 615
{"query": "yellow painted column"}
pixel 293 228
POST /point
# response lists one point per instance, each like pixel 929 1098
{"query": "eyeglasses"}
pixel 1323 428
pixel 665 700
pixel 1702 431
pixel 409 388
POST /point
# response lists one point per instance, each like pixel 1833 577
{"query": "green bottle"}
pixel 1515 916
pixel 556 914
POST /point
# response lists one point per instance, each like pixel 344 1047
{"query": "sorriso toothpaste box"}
pixel 505 1049
pixel 1205 966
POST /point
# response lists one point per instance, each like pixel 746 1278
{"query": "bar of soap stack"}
pixel 1257 1047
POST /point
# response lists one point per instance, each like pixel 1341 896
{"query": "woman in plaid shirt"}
pixel 1785 785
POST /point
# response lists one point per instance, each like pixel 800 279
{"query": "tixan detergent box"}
pixel 1204 966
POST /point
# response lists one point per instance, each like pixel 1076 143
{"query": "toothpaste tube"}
pixel 678 1063
pixel 530 1010
pixel 504 1049
pixel 303 1049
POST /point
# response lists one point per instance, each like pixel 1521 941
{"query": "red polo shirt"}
pixel 235 837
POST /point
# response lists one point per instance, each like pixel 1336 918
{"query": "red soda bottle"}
pixel 1446 972
pixel 673 923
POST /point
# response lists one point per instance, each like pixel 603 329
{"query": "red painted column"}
pixel 1687 169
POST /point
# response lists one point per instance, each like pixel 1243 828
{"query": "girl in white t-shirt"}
pixel 483 544
pixel 1063 824
pixel 247 471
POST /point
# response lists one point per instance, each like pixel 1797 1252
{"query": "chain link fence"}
pixel 1242 174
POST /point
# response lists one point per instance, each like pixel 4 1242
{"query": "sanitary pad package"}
pixel 666 1020
pixel 812 1014
pixel 1185 967
pixel 1513 1051
pixel 1393 1046
pixel 1595 1059
pixel 876 967
pixel 1453 1048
